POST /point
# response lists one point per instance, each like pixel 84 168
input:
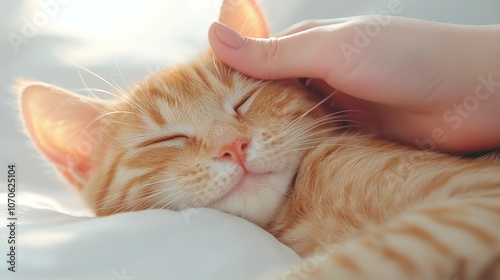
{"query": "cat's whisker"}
pixel 137 105
pixel 125 99
pixel 307 146
pixel 171 191
pixel 216 62
pixel 304 129
pixel 299 118
pixel 147 97
pixel 170 202
pixel 105 115
pixel 313 135
pixel 336 137
pixel 256 28
pixel 330 118
pixel 312 127
pixel 336 116
pixel 147 199
pixel 157 194
pixel 85 83
pixel 327 144
pixel 305 132
pixel 92 90
pixel 307 125
pixel 141 104
pixel 343 112
pixel 121 75
pixel 126 125
pixel 116 84
pixel 337 143
pixel 97 76
pixel 246 19
pixel 136 188
pixel 311 141
pixel 141 200
pixel 308 141
pixel 200 203
pixel 131 206
pixel 124 95
pixel 171 199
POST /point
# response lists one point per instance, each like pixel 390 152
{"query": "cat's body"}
pixel 365 182
pixel 431 215
pixel 203 135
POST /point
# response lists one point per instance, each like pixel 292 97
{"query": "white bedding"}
pixel 123 41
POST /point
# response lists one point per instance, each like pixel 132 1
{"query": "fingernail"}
pixel 228 36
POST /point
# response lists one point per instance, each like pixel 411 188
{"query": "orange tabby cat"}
pixel 204 135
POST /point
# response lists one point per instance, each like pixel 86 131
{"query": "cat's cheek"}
pixel 284 158
pixel 209 182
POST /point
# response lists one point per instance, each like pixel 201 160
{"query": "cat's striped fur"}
pixel 393 213
pixel 355 207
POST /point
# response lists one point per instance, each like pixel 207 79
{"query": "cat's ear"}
pixel 244 16
pixel 64 126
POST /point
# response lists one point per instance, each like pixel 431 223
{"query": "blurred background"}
pixel 124 41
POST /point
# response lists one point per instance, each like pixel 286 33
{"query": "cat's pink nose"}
pixel 235 150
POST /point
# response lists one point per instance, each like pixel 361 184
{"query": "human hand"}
pixel 428 84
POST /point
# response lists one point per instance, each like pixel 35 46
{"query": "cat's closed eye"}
pixel 242 106
pixel 175 138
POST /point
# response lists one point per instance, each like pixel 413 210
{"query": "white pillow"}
pixel 151 244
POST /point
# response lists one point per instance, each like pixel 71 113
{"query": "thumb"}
pixel 305 54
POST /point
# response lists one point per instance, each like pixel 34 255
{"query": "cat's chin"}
pixel 256 197
pixel 246 185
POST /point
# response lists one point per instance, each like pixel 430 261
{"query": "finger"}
pixel 308 24
pixel 307 54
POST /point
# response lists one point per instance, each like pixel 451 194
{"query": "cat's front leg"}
pixel 455 240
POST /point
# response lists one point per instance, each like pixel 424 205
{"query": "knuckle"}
pixel 270 50
pixel 308 24
pixel 269 55
pixel 304 25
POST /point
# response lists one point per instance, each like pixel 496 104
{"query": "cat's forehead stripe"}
pixel 200 75
pixel 161 91
pixel 154 113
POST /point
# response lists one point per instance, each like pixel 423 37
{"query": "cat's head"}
pixel 197 135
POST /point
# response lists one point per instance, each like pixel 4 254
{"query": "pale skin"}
pixel 429 84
